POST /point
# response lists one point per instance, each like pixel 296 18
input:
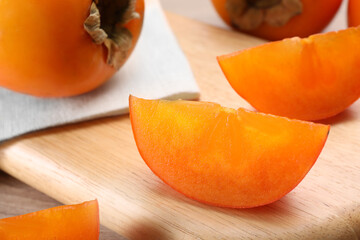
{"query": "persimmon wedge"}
pixel 308 79
pixel 353 13
pixel 70 222
pixel 222 156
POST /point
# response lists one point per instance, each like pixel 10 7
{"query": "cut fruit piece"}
pixel 309 79
pixel 353 13
pixel 70 222
pixel 221 156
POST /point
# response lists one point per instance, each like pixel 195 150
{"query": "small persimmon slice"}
pixel 222 156
pixel 69 222
pixel 353 13
pixel 309 79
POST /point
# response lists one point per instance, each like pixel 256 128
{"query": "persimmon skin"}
pixel 353 13
pixel 46 52
pixel 69 222
pixel 224 157
pixel 315 17
pixel 308 79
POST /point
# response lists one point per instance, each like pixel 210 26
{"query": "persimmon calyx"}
pixel 106 25
pixel 250 14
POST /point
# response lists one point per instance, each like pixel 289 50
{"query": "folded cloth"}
pixel 156 69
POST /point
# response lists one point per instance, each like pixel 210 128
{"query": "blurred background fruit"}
pixel 277 19
pixel 204 11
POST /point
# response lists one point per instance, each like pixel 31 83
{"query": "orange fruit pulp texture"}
pixel 45 50
pixel 71 222
pixel 315 16
pixel 309 79
pixel 221 156
pixel 354 13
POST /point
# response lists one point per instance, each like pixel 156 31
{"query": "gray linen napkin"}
pixel 156 69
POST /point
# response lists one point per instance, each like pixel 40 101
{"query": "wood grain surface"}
pixel 99 159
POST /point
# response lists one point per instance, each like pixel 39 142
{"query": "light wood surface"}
pixel 99 159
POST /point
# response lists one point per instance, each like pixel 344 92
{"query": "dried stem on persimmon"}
pixel 250 14
pixel 106 25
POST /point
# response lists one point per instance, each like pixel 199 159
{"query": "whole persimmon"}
pixel 354 13
pixel 65 48
pixel 277 19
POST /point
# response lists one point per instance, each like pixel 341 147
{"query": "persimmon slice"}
pixel 353 13
pixel 221 156
pixel 70 222
pixel 309 79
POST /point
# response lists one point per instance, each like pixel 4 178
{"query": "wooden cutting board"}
pixel 99 159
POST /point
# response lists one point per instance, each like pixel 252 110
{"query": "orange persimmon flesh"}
pixel 309 79
pixel 354 13
pixel 70 222
pixel 222 156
